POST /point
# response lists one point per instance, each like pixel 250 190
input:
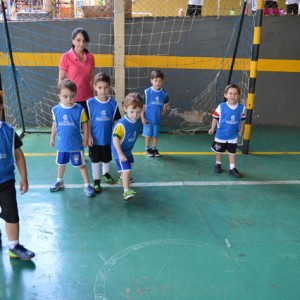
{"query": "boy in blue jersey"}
pixel 125 134
pixel 229 119
pixel 68 120
pixel 156 103
pixel 103 112
pixel 11 153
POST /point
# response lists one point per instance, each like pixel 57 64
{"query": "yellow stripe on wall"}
pixel 167 62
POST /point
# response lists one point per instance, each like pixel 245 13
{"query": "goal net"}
pixel 194 52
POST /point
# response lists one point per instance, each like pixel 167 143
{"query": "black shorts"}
pixel 100 153
pixel 84 105
pixel 222 147
pixel 193 10
pixel 8 202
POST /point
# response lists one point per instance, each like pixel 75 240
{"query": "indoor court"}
pixel 188 234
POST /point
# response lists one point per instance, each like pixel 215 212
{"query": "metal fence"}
pixel 66 9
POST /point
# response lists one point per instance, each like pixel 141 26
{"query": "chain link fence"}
pixel 68 9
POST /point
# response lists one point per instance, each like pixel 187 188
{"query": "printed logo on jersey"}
pixel 2 155
pixel 133 138
pixel 66 121
pixel 232 120
pixel 156 101
pixel 103 117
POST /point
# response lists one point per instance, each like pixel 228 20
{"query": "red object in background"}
pixel 271 11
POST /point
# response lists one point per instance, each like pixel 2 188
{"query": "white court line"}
pixel 178 183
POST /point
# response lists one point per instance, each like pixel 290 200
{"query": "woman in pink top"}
pixel 78 65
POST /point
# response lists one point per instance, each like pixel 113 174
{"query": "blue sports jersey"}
pixel 154 104
pixel 7 152
pixel 68 127
pixel 131 131
pixel 229 121
pixel 101 115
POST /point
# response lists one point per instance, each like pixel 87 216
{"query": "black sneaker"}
pixel 97 186
pixel 149 152
pixel 156 153
pixel 21 252
pixel 234 172
pixel 218 168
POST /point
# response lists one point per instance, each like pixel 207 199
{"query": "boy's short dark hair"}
pixel 1 99
pixel 157 74
pixel 233 86
pixel 102 77
pixel 67 84
pixel 133 99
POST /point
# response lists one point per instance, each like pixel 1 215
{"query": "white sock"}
pixel 12 244
pixel 86 185
pixel 59 179
pixel 105 168
pixel 96 171
pixel 231 166
pixel 218 162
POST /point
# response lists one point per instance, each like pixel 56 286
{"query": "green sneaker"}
pixel 129 194
pixel 20 252
pixel 121 182
pixel 108 178
pixel 97 186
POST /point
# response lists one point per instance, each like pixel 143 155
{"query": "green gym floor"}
pixel 189 234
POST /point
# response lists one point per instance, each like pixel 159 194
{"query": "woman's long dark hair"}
pixel 83 32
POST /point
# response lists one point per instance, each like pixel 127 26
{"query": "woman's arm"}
pixel 61 75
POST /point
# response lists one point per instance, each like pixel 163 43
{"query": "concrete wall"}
pixel 277 99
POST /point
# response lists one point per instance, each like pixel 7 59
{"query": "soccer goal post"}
pixel 128 42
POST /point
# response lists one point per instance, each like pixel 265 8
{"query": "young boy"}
pixel 156 104
pixel 229 118
pixel 68 119
pixel 11 153
pixel 124 135
pixel 103 112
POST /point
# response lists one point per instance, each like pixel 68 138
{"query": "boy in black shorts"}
pixel 11 153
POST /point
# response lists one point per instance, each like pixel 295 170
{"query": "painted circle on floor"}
pixel 159 269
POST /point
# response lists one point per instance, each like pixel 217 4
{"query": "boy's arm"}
pixel 117 144
pixel 213 126
pixel 21 164
pixel 53 134
pixel 165 108
pixel 166 105
pixel 242 127
pixel 84 127
pixel 90 137
pixel 118 135
pixel 144 121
